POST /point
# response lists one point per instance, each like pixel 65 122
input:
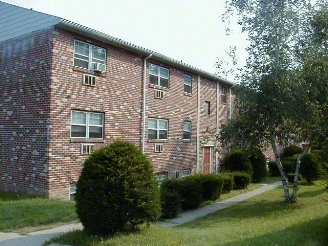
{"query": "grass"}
pixel 261 220
pixel 20 211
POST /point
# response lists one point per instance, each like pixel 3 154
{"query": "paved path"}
pixel 39 237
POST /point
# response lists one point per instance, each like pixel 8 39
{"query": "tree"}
pixel 117 190
pixel 276 105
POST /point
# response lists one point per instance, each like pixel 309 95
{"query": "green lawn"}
pixel 18 211
pixel 262 220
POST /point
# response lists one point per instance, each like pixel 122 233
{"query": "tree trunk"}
pixel 297 172
pixel 281 169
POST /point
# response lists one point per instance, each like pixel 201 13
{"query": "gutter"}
pixel 198 126
pixel 143 127
pixel 100 36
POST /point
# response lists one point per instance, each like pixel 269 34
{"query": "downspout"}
pixel 144 102
pixel 198 123
pixel 230 101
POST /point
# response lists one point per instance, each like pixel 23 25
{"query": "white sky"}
pixel 187 30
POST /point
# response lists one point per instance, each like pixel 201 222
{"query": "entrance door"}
pixel 207 160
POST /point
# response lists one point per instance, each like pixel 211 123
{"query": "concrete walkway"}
pixel 39 237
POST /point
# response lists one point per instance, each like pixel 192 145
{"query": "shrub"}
pixel 241 180
pixel 310 167
pixel 171 204
pixel 117 190
pixel 210 185
pixel 237 160
pixel 289 163
pixel 258 161
pixel 291 177
pixel 190 193
pixel 227 182
pixel 273 169
pixel 291 150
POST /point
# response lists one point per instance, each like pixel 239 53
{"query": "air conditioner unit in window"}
pixel 98 67
pixel 158 148
pixel 159 94
pixel 176 174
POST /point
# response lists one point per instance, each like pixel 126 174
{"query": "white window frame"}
pixel 224 94
pixel 158 74
pixel 88 124
pixel 186 130
pixel 158 129
pixel 87 149
pixel 161 177
pixel 187 83
pixel 72 191
pixel 185 173
pixel 207 108
pixel 90 59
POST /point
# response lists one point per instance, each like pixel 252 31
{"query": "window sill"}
pixel 84 140
pixel 158 87
pixel 157 140
pixel 186 140
pixel 87 71
pixel 187 94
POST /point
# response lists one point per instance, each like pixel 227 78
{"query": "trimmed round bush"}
pixel 289 163
pixel 117 190
pixel 291 177
pixel 190 193
pixel 258 161
pixel 227 182
pixel 171 205
pixel 291 150
pixel 310 167
pixel 241 180
pixel 210 185
pixel 237 160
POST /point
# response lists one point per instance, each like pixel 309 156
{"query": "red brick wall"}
pixel 24 112
pixel 41 90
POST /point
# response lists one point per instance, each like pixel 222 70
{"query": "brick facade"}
pixel 41 87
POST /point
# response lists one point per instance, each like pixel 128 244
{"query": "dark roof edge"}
pixel 74 27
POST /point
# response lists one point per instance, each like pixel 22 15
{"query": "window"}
pixel 160 177
pixel 86 149
pixel 87 125
pixel 87 55
pixel 186 130
pixel 224 93
pixel 207 108
pixel 157 129
pixel 72 191
pixel 185 173
pixel 187 83
pixel 158 75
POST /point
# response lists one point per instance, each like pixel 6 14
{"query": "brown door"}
pixel 207 159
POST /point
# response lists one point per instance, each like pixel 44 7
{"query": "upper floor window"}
pixel 87 125
pixel 89 56
pixel 207 108
pixel 159 75
pixel 224 93
pixel 187 83
pixel 186 130
pixel 157 129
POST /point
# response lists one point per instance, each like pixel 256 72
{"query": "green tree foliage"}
pixel 117 190
pixel 277 104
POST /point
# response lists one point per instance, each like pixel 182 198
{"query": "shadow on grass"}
pixel 311 193
pixel 310 233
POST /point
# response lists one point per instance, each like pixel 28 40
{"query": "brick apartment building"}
pixel 67 89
